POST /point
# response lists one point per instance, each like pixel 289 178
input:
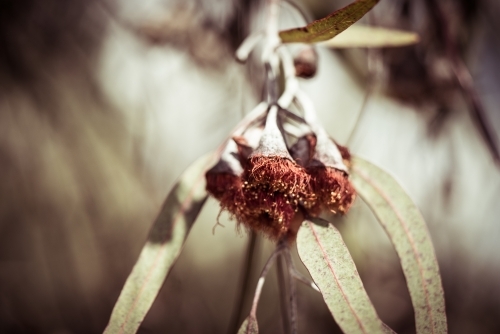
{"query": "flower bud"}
pixel 329 175
pixel 274 186
pixel 306 61
pixel 224 179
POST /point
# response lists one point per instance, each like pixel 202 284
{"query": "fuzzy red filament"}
pixel 226 188
pixel 274 188
pixel 333 189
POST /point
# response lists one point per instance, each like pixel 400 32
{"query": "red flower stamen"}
pixel 333 188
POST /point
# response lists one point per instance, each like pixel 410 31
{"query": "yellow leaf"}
pixel 329 26
pixel 360 36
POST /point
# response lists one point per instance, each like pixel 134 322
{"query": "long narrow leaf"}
pixel 330 264
pixel 249 326
pixel 162 248
pixel 330 26
pixel 408 232
pixel 360 36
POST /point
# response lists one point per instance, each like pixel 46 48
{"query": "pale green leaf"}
pixel 249 326
pixel 408 232
pixel 330 26
pixel 330 264
pixel 162 248
pixel 360 36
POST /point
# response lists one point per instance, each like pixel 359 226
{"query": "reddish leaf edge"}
pixel 284 34
pixel 311 224
pixel 410 238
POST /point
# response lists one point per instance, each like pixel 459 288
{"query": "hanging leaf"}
pixel 407 230
pixel 162 248
pixel 249 326
pixel 360 36
pixel 330 264
pixel 330 26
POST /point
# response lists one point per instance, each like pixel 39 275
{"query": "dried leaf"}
pixel 330 26
pixel 330 264
pixel 360 36
pixel 162 248
pixel 407 230
pixel 249 326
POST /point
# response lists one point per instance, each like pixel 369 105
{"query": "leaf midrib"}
pixel 409 236
pixel 325 256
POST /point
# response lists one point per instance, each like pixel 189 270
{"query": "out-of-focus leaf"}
pixel 408 232
pixel 330 264
pixel 330 26
pixel 249 326
pixel 360 36
pixel 162 248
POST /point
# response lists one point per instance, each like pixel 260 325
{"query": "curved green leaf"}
pixel 249 326
pixel 330 26
pixel 408 232
pixel 360 36
pixel 330 264
pixel 162 248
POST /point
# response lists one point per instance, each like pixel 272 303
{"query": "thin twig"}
pixel 284 295
pixel 301 278
pixel 366 98
pixel 291 82
pixel 293 292
pixel 476 107
pixel 244 287
pixel 248 45
pixel 262 279
pixel 375 69
pixel 464 78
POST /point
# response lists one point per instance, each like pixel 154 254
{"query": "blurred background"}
pixel 103 103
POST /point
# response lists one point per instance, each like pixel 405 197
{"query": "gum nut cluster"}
pixel 268 187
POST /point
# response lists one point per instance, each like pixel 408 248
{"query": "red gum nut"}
pixel 333 188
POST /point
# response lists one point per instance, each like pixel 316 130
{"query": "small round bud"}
pixel 306 62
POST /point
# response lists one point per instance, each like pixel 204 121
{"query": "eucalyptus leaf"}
pixel 408 232
pixel 162 248
pixel 330 264
pixel 249 326
pixel 329 26
pixel 360 36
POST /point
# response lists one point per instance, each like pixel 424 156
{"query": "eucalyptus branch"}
pixel 284 295
pixel 464 79
pixel 272 37
pixel 293 291
pixel 246 271
pixel 244 50
pixel 294 273
pixel 262 279
pixel 375 68
pixel 301 278
pixel 291 82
